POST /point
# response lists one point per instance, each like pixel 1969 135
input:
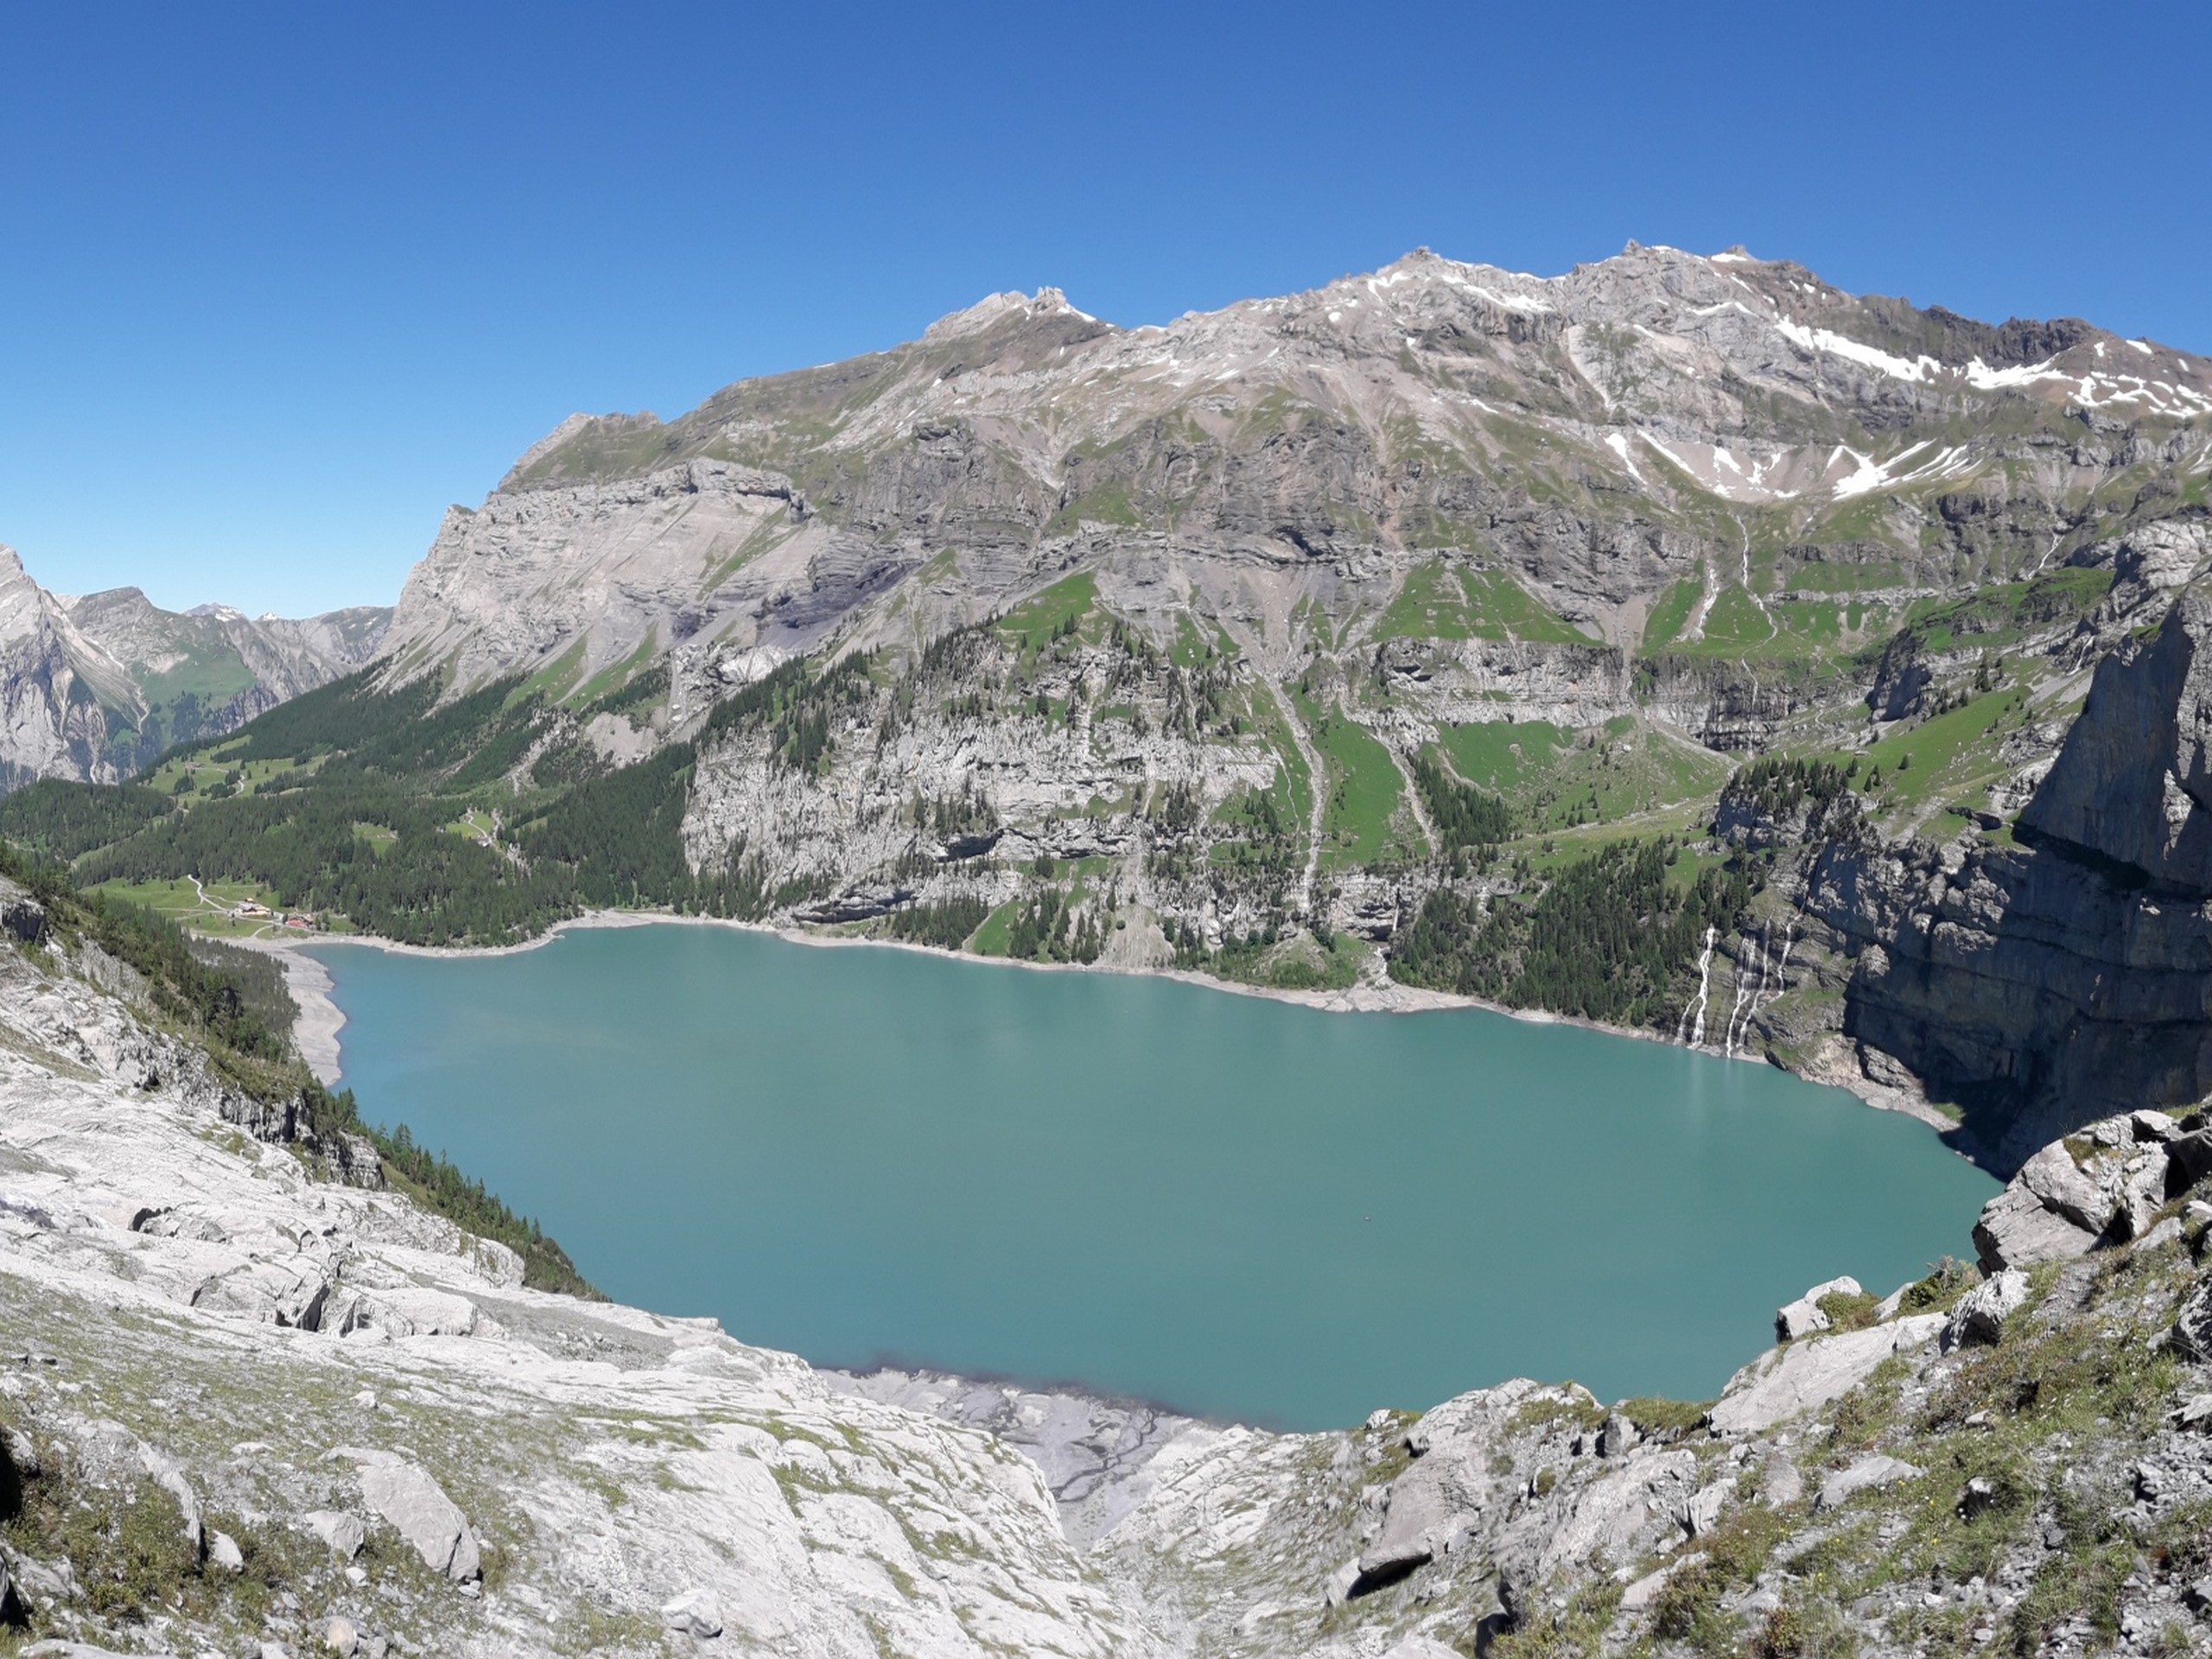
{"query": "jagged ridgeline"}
pixel 1412 627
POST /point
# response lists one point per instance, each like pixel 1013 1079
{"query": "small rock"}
pixel 1780 1483
pixel 2165 1232
pixel 1338 1591
pixel 1762 1602
pixel 1982 1312
pixel 1641 1594
pixel 2196 1412
pixel 274 1650
pixel 1421 1647
pixel 1696 1515
pixel 366 1399
pixel 696 1612
pixel 2151 1482
pixel 1874 1470
pixel 1619 1437
pixel 344 1533
pixel 356 1576
pixel 2198 1596
pixel 339 1636
pixel 1803 1317
pixel 2191 1155
pixel 223 1551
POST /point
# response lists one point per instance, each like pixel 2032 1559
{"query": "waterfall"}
pixel 1704 985
pixel 1746 991
pixel 1788 939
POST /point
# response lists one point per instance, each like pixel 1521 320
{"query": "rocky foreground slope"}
pixel 249 1407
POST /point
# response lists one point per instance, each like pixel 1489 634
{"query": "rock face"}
pixel 1286 460
pixel 2133 789
pixel 2049 983
pixel 92 688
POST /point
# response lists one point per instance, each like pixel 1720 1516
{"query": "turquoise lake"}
pixel 1229 1205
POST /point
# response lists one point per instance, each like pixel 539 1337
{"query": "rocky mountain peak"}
pixel 996 308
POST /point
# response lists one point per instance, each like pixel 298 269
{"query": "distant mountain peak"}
pixel 97 684
pixel 994 309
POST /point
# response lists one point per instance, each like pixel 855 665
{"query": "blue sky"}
pixel 277 282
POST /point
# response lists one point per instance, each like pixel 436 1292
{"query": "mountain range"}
pixel 95 688
pixel 1435 628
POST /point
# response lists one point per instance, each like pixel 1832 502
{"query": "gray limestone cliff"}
pixel 2062 973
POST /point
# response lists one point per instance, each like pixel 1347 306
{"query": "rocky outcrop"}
pixel 2104 1183
pixel 1802 1376
pixel 2045 984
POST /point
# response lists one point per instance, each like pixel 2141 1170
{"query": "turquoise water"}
pixel 1234 1206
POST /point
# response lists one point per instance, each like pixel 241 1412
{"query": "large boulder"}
pixel 2106 1182
pixel 1981 1313
pixel 416 1506
pixel 1804 1375
pixel 1804 1316
pixel 2015 1229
